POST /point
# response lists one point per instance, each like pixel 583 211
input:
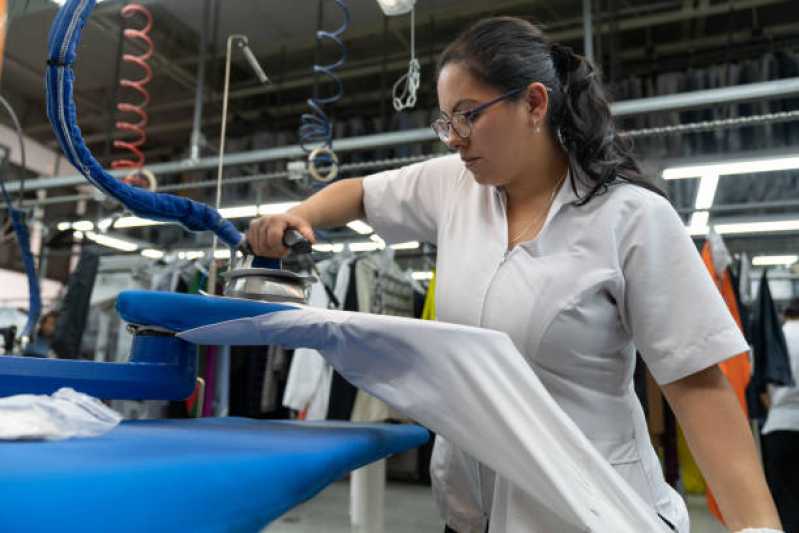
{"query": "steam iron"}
pixel 264 279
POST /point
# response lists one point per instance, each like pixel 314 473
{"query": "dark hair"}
pixel 792 311
pixel 508 53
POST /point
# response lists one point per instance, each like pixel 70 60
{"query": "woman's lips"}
pixel 470 161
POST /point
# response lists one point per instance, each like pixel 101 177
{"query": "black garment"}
pixel 342 392
pixel 781 451
pixel 74 309
pixel 771 363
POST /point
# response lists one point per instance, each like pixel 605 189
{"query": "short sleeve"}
pixel 408 203
pixel 679 322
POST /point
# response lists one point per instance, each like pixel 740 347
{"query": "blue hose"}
pixel 59 78
pixel 24 242
pixel 316 128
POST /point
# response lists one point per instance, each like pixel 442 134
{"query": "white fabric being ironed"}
pixel 474 387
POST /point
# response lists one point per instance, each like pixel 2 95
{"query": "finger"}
pixel 301 225
pixel 255 235
pixel 274 237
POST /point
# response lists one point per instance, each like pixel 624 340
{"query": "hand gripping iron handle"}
pixel 292 239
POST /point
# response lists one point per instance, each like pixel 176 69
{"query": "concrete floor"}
pixel 410 509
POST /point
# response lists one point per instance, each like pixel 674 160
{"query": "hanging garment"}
pixel 601 280
pixel 74 309
pixel 772 361
pixel 784 412
pixel 549 476
pixel 737 369
pixel 429 309
pixel 310 377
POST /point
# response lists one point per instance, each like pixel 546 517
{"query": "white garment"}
pixel 549 477
pixel 64 414
pixel 784 413
pixel 599 281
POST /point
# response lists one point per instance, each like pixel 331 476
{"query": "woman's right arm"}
pixel 335 205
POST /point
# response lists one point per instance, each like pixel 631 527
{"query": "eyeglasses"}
pixel 461 121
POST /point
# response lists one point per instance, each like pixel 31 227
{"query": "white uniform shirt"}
pixel 600 280
pixel 784 413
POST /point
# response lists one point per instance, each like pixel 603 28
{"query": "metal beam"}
pixel 710 97
pixel 764 90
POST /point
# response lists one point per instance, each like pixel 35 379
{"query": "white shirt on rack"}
pixel 784 412
pixel 599 281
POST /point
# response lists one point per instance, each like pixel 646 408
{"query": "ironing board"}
pixel 198 475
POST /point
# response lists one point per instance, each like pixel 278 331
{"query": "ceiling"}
pixel 633 38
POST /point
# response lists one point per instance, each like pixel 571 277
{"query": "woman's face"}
pixel 499 146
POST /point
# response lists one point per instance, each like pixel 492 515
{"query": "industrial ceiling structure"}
pixel 636 43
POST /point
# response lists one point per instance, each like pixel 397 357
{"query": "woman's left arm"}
pixel 721 442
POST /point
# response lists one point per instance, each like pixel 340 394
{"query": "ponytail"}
pixel 508 53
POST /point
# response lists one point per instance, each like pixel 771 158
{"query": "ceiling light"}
pixel 64 226
pixel 757 227
pixel 379 240
pixel 363 246
pixel 83 225
pixel 396 7
pixel 152 253
pixel 243 211
pixel 276 208
pixel 190 254
pixel 112 242
pixel 135 222
pixel 410 245
pixel 329 247
pixel 774 260
pixel 706 191
pixel 361 227
pixel 422 276
pixel 744 166
pixel 105 224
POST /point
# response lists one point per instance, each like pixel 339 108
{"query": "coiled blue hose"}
pixel 62 51
pixel 316 128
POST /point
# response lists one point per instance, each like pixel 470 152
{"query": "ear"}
pixel 537 102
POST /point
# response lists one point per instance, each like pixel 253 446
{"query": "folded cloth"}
pixel 67 413
pixel 473 387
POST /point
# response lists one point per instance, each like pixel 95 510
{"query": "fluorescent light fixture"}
pixel 359 226
pixel 329 247
pixel 396 7
pixel 112 242
pixel 77 235
pixel 243 211
pixel 64 226
pixel 757 227
pixel 105 223
pixel 744 166
pixel 152 253
pixel 422 276
pixel 364 246
pixel 190 254
pixel 276 208
pixel 774 260
pixel 706 191
pixel 135 222
pixel 374 237
pixel 410 245
pixel 698 225
pixel 83 225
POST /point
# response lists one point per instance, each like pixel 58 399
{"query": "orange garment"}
pixel 738 369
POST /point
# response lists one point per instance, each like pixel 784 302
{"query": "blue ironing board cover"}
pixel 198 475
pixel 178 312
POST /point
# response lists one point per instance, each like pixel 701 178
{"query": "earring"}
pixel 537 127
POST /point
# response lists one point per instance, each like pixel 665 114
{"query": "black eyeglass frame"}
pixel 445 125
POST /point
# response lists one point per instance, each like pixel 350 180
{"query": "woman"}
pixel 545 230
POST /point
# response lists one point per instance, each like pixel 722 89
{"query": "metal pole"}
pixel 588 31
pixel 196 132
pixel 739 93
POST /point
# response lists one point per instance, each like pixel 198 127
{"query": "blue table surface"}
pixel 198 475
